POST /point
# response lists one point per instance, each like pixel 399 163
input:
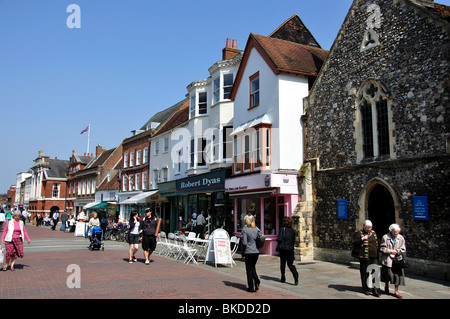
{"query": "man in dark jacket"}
pixel 286 243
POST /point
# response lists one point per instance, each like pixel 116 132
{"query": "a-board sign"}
pixel 80 229
pixel 219 250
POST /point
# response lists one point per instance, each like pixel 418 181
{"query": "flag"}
pixel 85 130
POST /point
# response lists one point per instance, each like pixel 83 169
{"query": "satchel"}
pixel 260 239
pixel 400 264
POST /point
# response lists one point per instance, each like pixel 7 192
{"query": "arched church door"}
pixel 381 210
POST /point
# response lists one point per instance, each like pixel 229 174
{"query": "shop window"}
pixel 270 216
pixel 248 206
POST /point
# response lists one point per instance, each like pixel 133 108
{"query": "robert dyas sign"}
pixel 206 182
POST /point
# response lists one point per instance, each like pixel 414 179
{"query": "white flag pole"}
pixel 89 136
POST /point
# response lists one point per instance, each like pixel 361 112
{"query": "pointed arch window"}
pixel 373 105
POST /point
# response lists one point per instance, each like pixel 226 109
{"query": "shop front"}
pixel 267 196
pixel 192 195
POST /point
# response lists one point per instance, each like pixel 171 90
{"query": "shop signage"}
pixel 420 207
pixel 204 182
pixel 286 183
pixel 342 211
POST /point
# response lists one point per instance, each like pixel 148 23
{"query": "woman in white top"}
pixel 133 236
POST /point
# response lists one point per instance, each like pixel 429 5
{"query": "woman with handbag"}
pixel 13 235
pixel 251 252
pixel 392 261
pixel 286 242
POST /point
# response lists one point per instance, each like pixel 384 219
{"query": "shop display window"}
pixel 270 216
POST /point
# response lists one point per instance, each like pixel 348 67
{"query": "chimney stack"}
pixel 99 150
pixel 230 51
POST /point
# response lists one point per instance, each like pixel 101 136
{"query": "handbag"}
pixel 260 239
pixel 400 264
pixel 2 257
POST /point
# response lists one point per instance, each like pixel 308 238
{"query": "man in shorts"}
pixel 149 232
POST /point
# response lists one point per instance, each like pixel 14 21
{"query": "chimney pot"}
pixel 234 44
pixel 228 43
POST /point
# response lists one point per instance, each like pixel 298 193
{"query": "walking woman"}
pixel 394 249
pixel 149 231
pixel 13 235
pixel 251 253
pixel 286 242
pixel 133 236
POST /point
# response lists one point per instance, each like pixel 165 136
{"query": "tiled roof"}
pixel 288 56
pixel 101 159
pixel 294 30
pixel 438 9
pixel 179 117
pixel 162 116
pixel 57 168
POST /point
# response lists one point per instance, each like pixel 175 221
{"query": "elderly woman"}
pixel 393 248
pixel 13 236
pixel 365 248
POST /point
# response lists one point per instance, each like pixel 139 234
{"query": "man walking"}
pixel 55 219
pixel 64 218
pixel 201 222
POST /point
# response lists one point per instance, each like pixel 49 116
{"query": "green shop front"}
pixel 203 192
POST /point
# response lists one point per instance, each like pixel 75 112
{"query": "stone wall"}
pixel 409 57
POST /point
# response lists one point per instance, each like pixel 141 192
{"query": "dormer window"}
pixel 227 85
pixel 200 107
pixel 225 80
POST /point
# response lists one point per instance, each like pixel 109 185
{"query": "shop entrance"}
pixel 381 209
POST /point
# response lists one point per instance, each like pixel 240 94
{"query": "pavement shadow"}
pixel 235 285
pixel 343 288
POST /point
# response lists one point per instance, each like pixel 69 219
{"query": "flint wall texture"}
pixel 411 60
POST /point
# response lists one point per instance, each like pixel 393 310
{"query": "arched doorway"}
pixel 381 209
pixel 53 209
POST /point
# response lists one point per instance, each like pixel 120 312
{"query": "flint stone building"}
pixel 377 135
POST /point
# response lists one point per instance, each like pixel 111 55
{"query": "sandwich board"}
pixel 219 250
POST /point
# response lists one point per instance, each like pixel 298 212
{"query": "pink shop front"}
pixel 269 197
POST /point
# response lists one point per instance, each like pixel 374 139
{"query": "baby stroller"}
pixel 96 239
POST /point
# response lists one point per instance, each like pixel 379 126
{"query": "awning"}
pixel 90 205
pixel 139 198
pixel 262 119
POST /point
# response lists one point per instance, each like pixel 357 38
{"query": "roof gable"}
pixel 282 56
pixel 294 30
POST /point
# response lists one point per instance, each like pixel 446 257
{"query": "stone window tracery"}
pixel 375 124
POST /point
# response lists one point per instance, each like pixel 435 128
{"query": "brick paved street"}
pixel 43 274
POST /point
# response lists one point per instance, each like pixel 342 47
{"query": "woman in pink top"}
pixel 13 236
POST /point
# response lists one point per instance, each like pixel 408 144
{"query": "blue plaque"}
pixel 342 212
pixel 420 207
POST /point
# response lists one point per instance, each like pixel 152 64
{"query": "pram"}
pixel 96 239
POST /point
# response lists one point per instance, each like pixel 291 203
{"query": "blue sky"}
pixel 129 60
